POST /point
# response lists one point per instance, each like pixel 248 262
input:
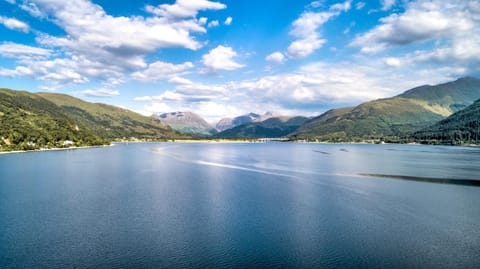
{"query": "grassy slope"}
pixel 110 121
pixel 393 117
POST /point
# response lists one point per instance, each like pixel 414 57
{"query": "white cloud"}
pixel 162 70
pixel 64 76
pixel 123 41
pixel 392 62
pixel 309 22
pixel 221 58
pixel 18 71
pixel 347 30
pixel 61 71
pixel 345 6
pixel 180 81
pixel 316 4
pixel 14 24
pixel 228 21
pixel 306 26
pixel 14 50
pixel 100 46
pixel 422 21
pixel 184 8
pixel 32 8
pixel 387 4
pixel 301 48
pixel 305 91
pixel 214 23
pixel 202 21
pixel 359 5
pixel 276 57
pixel 100 93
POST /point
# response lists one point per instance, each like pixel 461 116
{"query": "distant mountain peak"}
pixel 186 122
pixel 228 123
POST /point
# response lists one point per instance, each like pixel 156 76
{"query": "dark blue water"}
pixel 271 205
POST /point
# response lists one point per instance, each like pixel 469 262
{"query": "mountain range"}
pixel 228 123
pixel 444 113
pixel 395 117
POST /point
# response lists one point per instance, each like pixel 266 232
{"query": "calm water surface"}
pixel 271 205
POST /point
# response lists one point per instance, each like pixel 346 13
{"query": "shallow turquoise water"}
pixel 277 205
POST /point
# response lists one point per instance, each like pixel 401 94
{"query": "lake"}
pixel 251 205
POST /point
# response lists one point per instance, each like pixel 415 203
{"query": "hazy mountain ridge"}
pixel 393 117
pixel 228 123
pixel 187 122
pixel 273 127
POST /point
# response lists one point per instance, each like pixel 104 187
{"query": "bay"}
pixel 245 205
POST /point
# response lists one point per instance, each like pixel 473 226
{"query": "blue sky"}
pixel 226 58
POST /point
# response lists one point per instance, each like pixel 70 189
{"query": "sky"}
pixel 227 58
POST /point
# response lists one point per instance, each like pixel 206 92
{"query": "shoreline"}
pixel 53 149
pixel 226 141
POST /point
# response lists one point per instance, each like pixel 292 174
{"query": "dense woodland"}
pixel 462 127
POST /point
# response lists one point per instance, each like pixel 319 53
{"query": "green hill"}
pixel 271 128
pixel 29 121
pixel 46 120
pixel 392 118
pixel 460 128
pixel 109 121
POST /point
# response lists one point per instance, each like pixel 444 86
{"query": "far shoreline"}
pixel 53 149
pixel 228 141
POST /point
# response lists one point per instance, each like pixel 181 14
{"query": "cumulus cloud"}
pixel 14 24
pixel 214 23
pixel 184 8
pixel 228 21
pixel 305 29
pixel 305 91
pixel 180 80
pixel 276 57
pixel 18 71
pixel 162 70
pixel 345 6
pixel 303 47
pixel 100 46
pixel 309 22
pixel 422 21
pixel 392 62
pixel 100 93
pixel 15 50
pixel 221 58
pixel 387 4
pixel 60 71
pixel 32 8
pixel 121 40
